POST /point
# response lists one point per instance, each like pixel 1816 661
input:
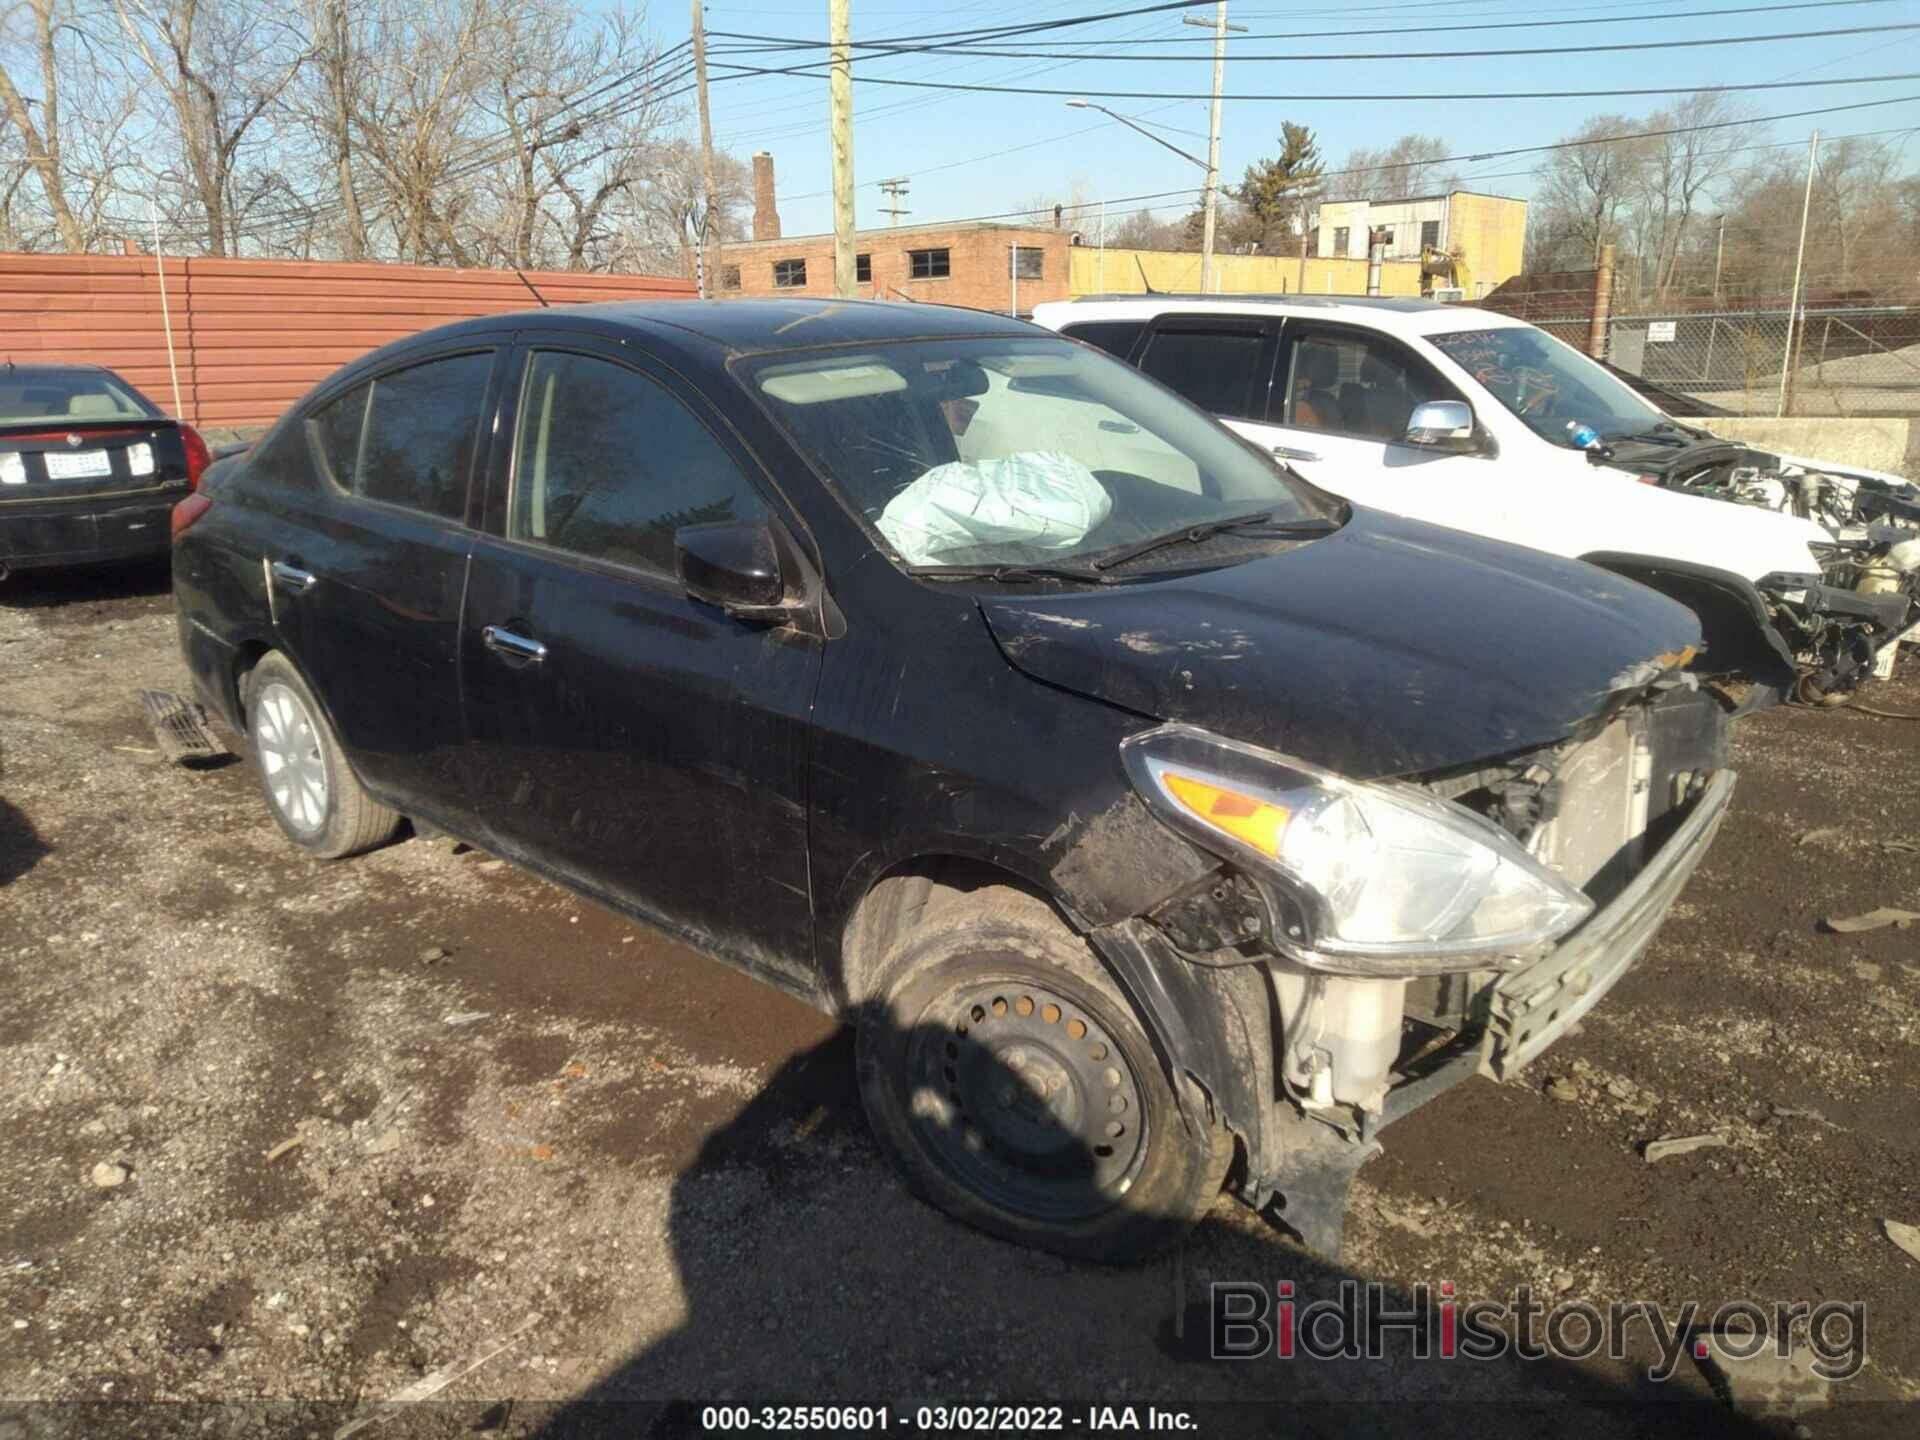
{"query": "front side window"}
pixel 1011 451
pixel 789 274
pixel 1217 370
pixel 1349 383
pixel 929 264
pixel 1548 384
pixel 1116 337
pixel 416 446
pixel 608 465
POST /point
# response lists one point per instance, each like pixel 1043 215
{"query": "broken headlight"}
pixel 1372 879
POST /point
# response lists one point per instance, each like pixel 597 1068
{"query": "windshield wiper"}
pixel 1011 574
pixel 1194 534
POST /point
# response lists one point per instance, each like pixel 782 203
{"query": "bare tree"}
pixel 1412 165
pixel 219 64
pixel 1586 189
pixel 40 140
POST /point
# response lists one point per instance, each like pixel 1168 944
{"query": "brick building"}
pixel 982 266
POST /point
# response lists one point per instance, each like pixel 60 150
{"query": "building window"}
pixel 929 264
pixel 1430 234
pixel 863 269
pixel 729 277
pixel 1386 236
pixel 1027 262
pixel 789 274
pixel 1341 234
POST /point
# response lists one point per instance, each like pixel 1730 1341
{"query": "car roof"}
pixel 747 326
pixel 1400 314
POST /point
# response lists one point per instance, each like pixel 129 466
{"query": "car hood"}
pixel 1389 648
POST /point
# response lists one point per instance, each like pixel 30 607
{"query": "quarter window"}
pixel 1216 370
pixel 407 438
pixel 609 465
pixel 929 264
pixel 789 274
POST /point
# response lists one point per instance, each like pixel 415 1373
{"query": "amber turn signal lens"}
pixel 1256 822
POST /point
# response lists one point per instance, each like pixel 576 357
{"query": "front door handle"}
pixel 1287 452
pixel 514 647
pixel 293 577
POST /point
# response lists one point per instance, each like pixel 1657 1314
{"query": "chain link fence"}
pixel 1850 362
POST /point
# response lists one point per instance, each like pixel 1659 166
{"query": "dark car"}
pixel 1161 820
pixel 90 469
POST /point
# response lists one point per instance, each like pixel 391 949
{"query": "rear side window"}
pixel 407 438
pixel 608 465
pixel 1116 337
pixel 1216 370
pixel 335 429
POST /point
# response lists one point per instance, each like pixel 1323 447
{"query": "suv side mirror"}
pixel 1442 425
pixel 735 565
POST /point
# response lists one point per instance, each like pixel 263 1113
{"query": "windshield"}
pixel 1015 452
pixel 1548 384
pixel 30 397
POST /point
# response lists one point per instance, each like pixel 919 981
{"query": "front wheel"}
pixel 1013 1085
pixel 313 793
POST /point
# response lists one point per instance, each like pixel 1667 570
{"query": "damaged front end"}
pixel 1844 623
pixel 1375 944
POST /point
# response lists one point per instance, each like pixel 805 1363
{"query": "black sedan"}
pixel 1162 821
pixel 90 469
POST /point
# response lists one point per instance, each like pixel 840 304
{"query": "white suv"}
pixel 1474 420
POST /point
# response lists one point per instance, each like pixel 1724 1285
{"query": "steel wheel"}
pixel 289 745
pixel 1020 1095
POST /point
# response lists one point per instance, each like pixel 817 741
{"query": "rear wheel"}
pixel 311 790
pixel 1012 1083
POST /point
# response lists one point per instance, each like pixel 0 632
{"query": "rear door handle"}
pixel 1287 452
pixel 293 577
pixel 514 647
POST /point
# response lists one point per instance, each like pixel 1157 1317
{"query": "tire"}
pixel 1015 1088
pixel 310 788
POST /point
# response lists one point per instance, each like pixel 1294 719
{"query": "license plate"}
pixel 77 464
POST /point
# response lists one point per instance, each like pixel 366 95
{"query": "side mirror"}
pixel 735 565
pixel 1441 424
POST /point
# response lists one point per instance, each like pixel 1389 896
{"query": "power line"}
pixel 1663 16
pixel 1448 55
pixel 1427 97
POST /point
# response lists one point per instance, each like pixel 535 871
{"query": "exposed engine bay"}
pixel 1843 625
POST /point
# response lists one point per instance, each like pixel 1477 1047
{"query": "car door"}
pixel 640 744
pixel 1337 412
pixel 367 569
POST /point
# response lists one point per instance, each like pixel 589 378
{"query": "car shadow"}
pixel 21 847
pixel 88 584
pixel 804 1283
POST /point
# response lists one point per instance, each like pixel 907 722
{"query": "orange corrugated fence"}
pixel 252 336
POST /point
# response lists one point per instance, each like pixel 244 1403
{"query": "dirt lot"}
pixel 525 1122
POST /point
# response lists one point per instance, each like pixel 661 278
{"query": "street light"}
pixel 1206 248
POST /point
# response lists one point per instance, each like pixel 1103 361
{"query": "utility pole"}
pixel 896 192
pixel 1220 28
pixel 1719 254
pixel 710 228
pixel 1799 260
pixel 838 24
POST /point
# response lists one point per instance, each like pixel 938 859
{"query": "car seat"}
pixel 1316 371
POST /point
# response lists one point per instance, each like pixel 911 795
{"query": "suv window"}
pixel 608 465
pixel 1218 370
pixel 422 426
pixel 1116 337
pixel 1350 383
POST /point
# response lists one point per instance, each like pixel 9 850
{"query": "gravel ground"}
pixel 377 1120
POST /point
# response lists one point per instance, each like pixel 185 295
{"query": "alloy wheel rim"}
pixel 1021 1095
pixel 288 742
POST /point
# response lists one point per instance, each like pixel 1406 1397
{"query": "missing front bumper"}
pixel 1534 1007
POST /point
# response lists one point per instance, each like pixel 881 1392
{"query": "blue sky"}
pixel 974 154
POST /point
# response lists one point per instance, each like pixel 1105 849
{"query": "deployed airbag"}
pixel 1037 500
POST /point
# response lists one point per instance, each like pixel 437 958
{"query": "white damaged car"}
pixel 1474 420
